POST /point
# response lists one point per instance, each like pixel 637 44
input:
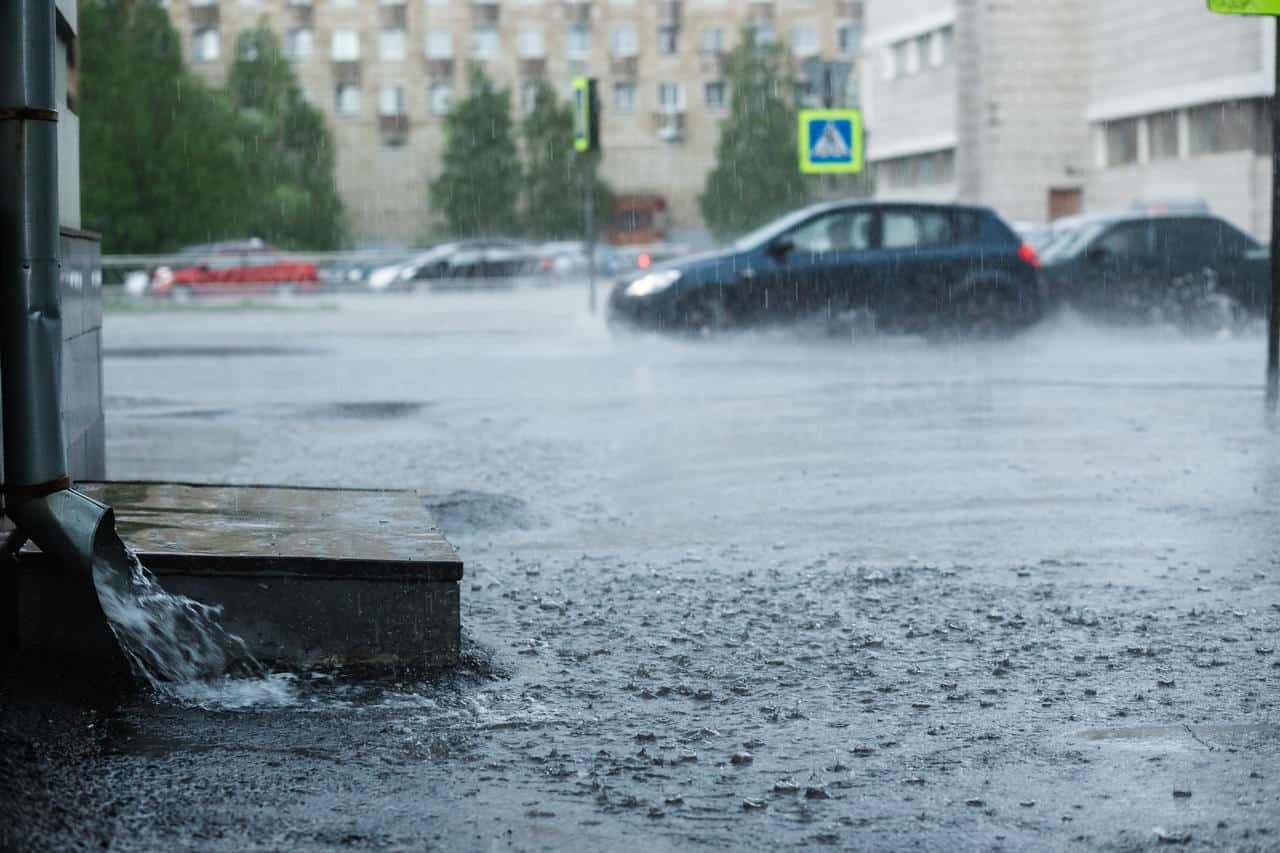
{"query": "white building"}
pixel 1042 109
pixel 1178 109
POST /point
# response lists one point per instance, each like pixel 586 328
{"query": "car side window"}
pixel 1130 240
pixel 838 231
pixel 918 229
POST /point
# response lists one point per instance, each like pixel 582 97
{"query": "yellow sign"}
pixel 1245 7
pixel 830 141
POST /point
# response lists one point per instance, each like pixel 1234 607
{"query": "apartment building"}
pixel 1179 109
pixel 385 73
pixel 1043 109
pixel 978 101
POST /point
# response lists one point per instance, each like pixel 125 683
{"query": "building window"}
pixel 391 45
pixel 204 46
pixel 299 45
pixel 668 40
pixel 1121 141
pixel 577 43
pixel 804 40
pixel 624 97
pixel 529 90
pixel 532 44
pixel 902 58
pixel 670 97
pixel 484 43
pixel 625 43
pixel 391 100
pixel 440 98
pixel 714 95
pixel 847 39
pixel 940 47
pixel 1163 135
pixel 713 40
pixel 1227 126
pixel 439 44
pixel 918 170
pixel 346 45
pixel 346 99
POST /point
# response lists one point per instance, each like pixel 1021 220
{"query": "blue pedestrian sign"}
pixel 830 141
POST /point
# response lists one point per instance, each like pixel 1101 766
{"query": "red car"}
pixel 235 268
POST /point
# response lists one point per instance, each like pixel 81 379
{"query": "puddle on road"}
pixel 1181 737
pixel 369 410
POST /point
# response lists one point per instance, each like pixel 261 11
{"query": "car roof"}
pixel 852 203
pixel 1129 216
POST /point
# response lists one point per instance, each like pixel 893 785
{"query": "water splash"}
pixel 176 645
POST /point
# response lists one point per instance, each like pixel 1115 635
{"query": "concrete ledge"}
pixel 308 577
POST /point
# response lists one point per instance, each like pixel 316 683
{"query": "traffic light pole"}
pixel 1273 325
pixel 589 213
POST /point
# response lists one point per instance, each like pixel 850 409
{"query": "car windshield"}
pixel 1066 243
pixel 762 235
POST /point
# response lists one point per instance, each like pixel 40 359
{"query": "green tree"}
pixel 163 155
pixel 478 188
pixel 554 172
pixel 297 201
pixel 756 176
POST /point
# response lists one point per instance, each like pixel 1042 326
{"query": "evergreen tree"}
pixel 756 176
pixel 163 155
pixel 478 188
pixel 297 203
pixel 554 172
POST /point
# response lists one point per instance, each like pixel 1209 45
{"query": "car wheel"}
pixel 707 313
pixel 985 312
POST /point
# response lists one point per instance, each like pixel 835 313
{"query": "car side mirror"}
pixel 203 268
pixel 780 248
pixel 1097 254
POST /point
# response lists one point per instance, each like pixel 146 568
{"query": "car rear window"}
pixel 925 228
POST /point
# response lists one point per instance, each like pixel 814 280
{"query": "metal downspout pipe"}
pixel 64 523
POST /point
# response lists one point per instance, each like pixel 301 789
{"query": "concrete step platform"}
pixel 307 577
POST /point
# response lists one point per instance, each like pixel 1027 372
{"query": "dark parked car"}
pixel 911 267
pixel 1183 267
pixel 466 263
pixel 233 268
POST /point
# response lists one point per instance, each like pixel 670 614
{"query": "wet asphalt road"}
pixel 755 592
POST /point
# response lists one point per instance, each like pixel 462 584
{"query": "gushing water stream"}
pixel 176 645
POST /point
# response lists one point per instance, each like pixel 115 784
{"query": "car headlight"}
pixel 654 282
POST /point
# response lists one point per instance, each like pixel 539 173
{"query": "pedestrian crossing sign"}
pixel 1245 7
pixel 830 141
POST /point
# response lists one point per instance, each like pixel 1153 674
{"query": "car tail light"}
pixel 1029 255
pixel 644 261
pixel 546 263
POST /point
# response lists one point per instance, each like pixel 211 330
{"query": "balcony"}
pixel 346 71
pixel 484 14
pixel 849 9
pixel 577 13
pixel 394 17
pixel 205 16
pixel 669 124
pixel 394 129
pixel 624 66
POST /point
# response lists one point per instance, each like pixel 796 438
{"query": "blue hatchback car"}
pixel 916 268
